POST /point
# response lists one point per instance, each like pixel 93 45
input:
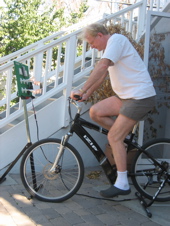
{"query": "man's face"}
pixel 98 42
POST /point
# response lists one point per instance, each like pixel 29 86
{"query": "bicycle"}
pixel 52 170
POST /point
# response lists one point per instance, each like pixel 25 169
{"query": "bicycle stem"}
pixel 77 105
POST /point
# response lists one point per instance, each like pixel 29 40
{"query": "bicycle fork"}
pixel 60 152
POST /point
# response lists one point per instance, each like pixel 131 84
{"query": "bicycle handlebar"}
pixel 78 97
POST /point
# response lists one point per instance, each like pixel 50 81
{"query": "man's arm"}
pixel 95 80
pixel 94 86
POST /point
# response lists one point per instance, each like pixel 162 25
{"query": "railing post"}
pixel 8 90
pixel 146 57
pixel 68 74
pixel 48 52
pixel 151 5
pixel 57 70
pixel 83 55
pixel 130 21
pixel 141 19
pixel 37 73
pixel 147 38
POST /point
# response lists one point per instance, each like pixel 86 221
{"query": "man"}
pixel 135 95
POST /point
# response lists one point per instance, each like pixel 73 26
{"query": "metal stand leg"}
pixel 144 204
pixel 3 177
pixel 26 121
pixel 31 156
pixel 2 180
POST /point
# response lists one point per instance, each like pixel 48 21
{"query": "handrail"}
pixel 30 47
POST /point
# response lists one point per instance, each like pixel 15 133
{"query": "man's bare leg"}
pixel 118 130
pixel 117 133
pixel 103 111
pixel 121 127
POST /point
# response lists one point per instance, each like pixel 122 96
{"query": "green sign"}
pixel 23 80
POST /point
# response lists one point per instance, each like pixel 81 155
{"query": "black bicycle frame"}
pixel 77 127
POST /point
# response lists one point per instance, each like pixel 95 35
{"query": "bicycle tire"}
pixel 147 185
pixel 47 186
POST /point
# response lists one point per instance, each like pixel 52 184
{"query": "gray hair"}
pixel 94 29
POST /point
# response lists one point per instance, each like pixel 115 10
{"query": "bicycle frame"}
pixel 77 127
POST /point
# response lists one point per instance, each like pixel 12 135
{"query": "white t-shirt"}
pixel 129 76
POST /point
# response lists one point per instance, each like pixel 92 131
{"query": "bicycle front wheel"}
pixel 49 186
pixel 148 175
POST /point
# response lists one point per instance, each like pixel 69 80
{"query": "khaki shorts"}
pixel 137 109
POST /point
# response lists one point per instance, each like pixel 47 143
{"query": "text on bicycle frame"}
pixel 90 142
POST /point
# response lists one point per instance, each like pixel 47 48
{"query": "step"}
pixel 44 104
pixel 22 117
pixel 5 128
pixel 14 122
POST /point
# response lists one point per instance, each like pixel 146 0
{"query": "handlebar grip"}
pixel 78 97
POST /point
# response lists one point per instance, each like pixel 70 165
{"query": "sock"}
pixel 122 181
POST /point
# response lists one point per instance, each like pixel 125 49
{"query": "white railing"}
pixel 156 5
pixel 56 61
pixel 30 48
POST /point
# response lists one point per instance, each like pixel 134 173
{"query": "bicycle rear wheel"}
pixel 45 185
pixel 148 175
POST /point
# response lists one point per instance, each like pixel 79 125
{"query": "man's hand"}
pixel 75 93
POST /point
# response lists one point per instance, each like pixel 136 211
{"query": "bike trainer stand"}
pixel 144 204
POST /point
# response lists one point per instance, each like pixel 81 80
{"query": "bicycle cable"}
pixel 113 200
pixel 69 110
pixel 35 117
pixel 36 121
pixel 6 166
